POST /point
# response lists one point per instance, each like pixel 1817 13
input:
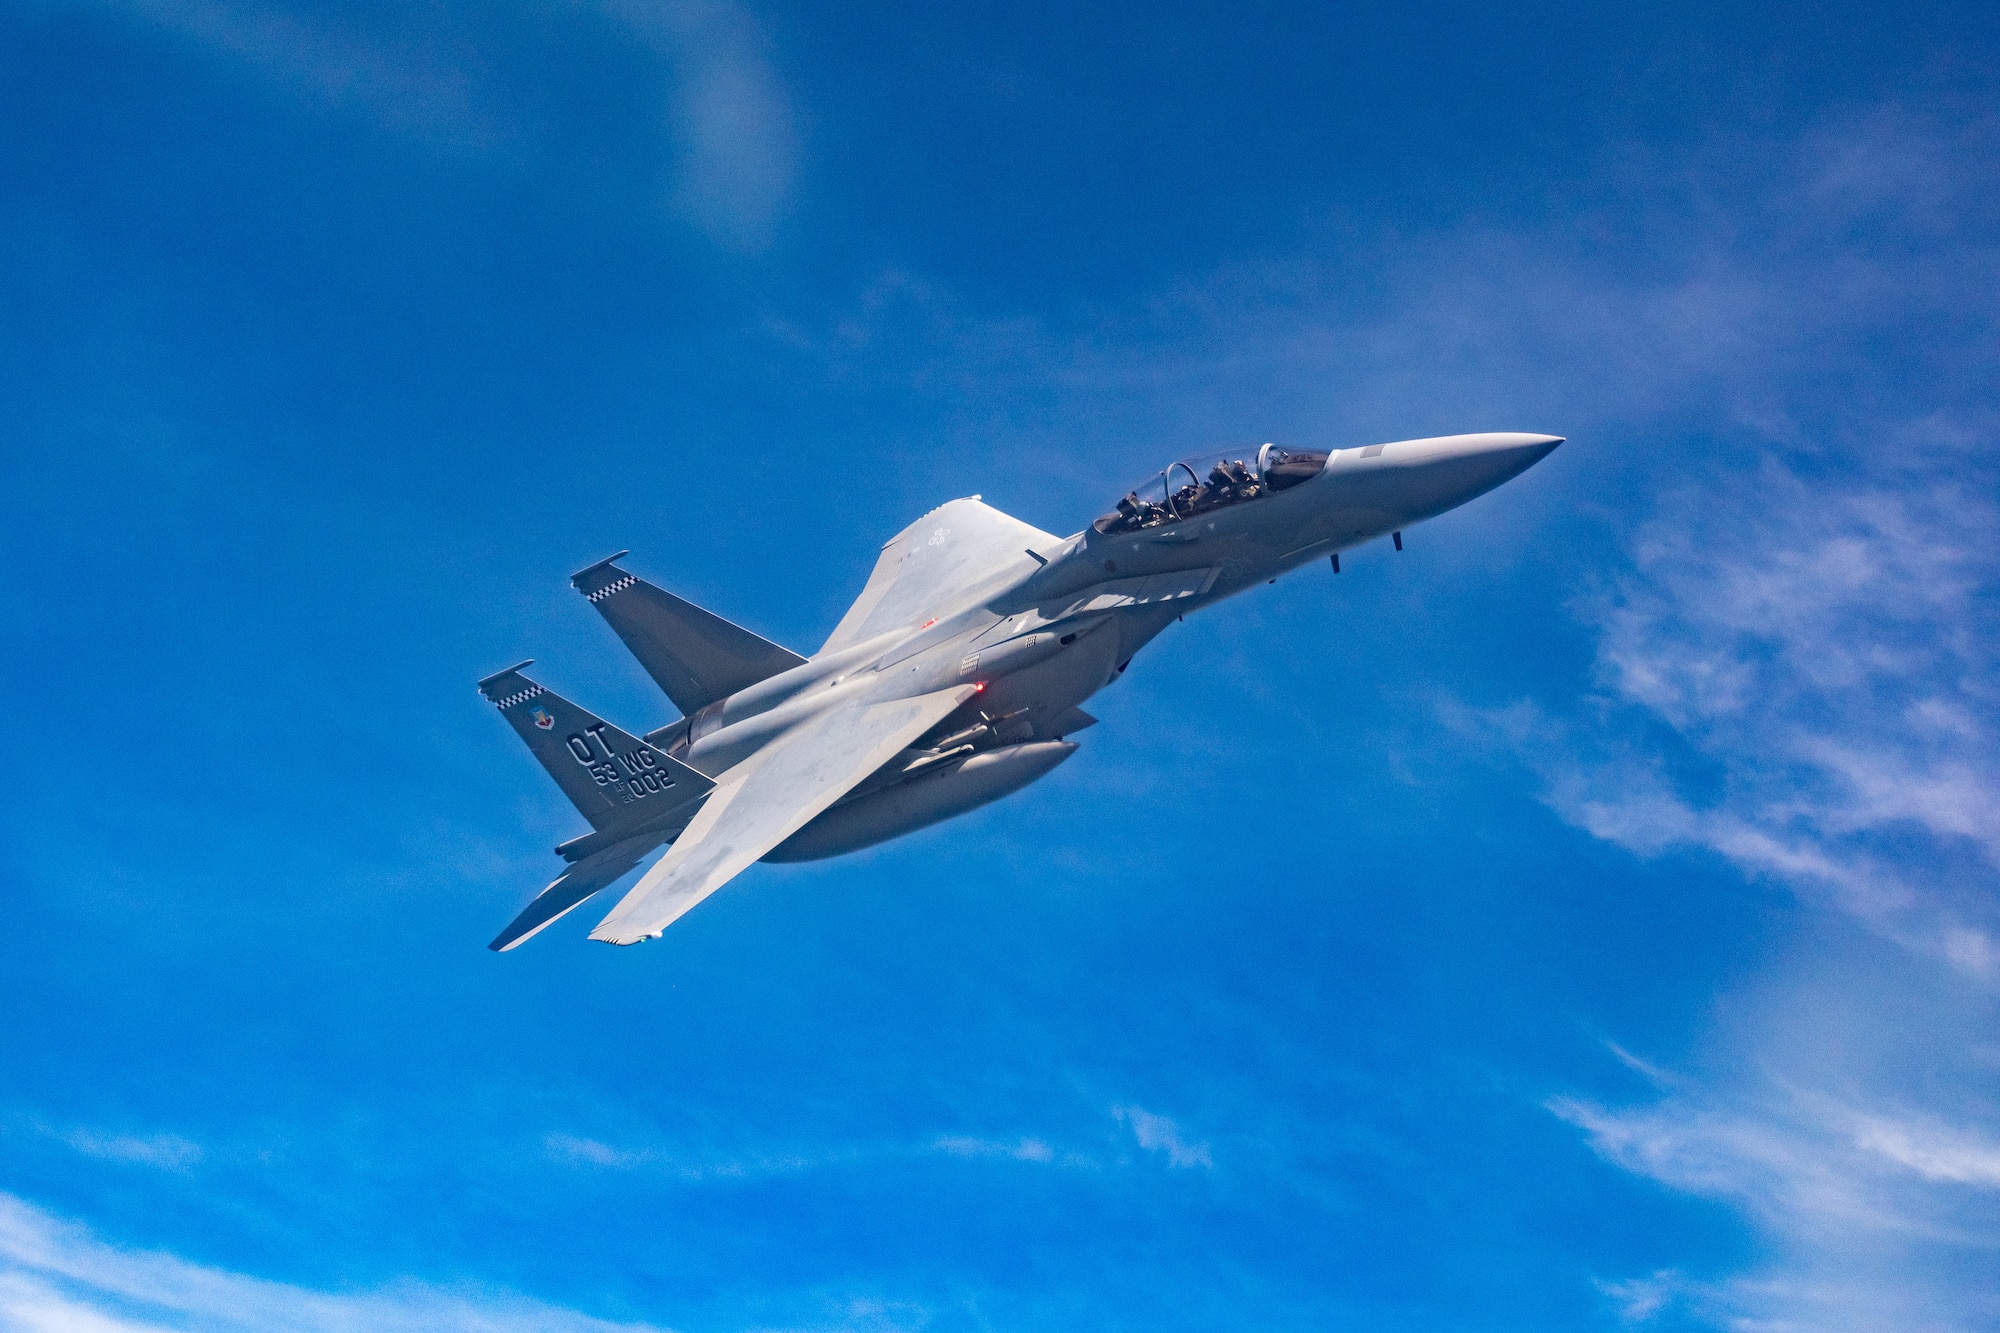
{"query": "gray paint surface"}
pixel 951 681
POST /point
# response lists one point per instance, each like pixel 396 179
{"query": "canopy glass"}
pixel 1196 486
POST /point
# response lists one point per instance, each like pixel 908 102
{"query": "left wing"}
pixel 767 798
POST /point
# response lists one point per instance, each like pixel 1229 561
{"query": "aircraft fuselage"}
pixel 1039 641
pixel 953 679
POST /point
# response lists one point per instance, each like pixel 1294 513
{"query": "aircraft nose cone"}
pixel 1422 478
pixel 1504 456
pixel 1478 463
pixel 1528 449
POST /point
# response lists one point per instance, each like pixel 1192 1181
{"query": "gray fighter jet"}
pixel 952 681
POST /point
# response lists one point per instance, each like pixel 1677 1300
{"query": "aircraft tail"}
pixel 573 886
pixel 696 656
pixel 616 781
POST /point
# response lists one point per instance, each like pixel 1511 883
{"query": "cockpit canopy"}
pixel 1202 485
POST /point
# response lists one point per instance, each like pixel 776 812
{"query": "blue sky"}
pixel 1586 919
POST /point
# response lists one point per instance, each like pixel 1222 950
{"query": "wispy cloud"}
pixel 1797 673
pixel 570 1148
pixel 1019 1150
pixel 166 1152
pixel 1646 1069
pixel 1933 1151
pixel 694 1165
pixel 423 88
pixel 1865 1240
pixel 1823 653
pixel 1154 1134
pixel 57 1277
pixel 578 1151
pixel 1799 662
pixel 1758 321
pixel 728 116
pixel 1158 1134
pixel 736 134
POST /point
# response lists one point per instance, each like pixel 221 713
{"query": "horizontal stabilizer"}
pixel 615 780
pixel 572 887
pixel 696 656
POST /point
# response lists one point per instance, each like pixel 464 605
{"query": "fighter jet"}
pixel 955 678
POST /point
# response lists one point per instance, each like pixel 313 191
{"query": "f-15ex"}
pixel 952 681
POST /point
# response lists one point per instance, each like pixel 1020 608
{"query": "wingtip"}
pixel 592 569
pixel 510 939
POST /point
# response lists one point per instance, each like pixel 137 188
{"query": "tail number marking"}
pixel 632 776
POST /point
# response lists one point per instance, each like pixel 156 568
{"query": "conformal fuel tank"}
pixel 907 806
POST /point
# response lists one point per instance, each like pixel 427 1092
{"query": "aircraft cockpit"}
pixel 1196 486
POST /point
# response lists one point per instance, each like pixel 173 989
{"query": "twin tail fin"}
pixel 696 656
pixel 616 781
pixel 635 796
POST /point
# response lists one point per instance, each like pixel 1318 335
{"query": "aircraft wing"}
pixel 931 567
pixel 767 798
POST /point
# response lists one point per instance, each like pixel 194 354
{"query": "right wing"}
pixel 930 567
pixel 767 798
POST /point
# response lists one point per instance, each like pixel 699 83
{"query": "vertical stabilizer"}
pixel 616 781
pixel 696 656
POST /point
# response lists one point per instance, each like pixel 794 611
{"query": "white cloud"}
pixel 1019 1150
pixel 697 1166
pixel 168 1151
pixel 1646 1069
pixel 1935 1152
pixel 570 1148
pixel 1158 1134
pixel 1826 652
pixel 55 1275
pixel 1862 1238
pixel 1640 1298
pixel 732 121
pixel 1798 674
pixel 578 1151
pixel 416 87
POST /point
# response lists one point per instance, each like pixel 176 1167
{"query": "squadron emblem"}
pixel 541 716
